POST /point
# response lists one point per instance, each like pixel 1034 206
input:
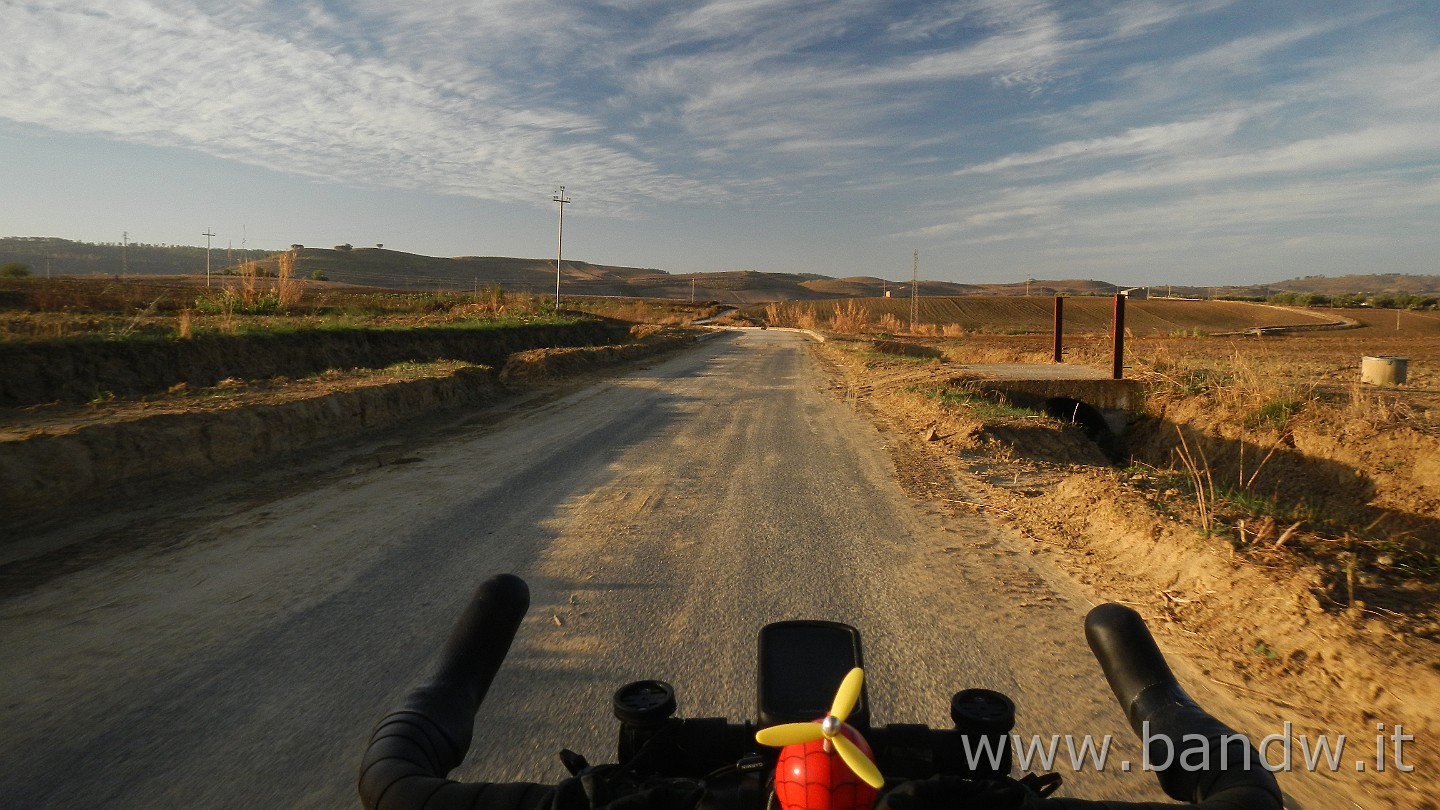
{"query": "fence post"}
pixel 1059 327
pixel 1119 372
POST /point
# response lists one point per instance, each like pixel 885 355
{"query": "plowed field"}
pixel 1083 314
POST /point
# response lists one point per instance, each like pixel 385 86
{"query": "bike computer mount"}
pixel 799 666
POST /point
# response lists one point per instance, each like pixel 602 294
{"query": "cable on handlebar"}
pixel 415 746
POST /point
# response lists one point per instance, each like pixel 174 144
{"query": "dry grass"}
pixel 287 289
pixel 850 318
pixel 42 309
pixel 655 311
pixel 249 274
pixel 792 314
pixel 1269 443
pixel 1202 482
pixel 1281 449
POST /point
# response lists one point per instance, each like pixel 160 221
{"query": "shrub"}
pixel 14 270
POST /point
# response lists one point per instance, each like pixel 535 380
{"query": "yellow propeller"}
pixel 848 694
pixel 829 729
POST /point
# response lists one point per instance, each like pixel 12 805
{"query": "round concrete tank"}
pixel 1383 370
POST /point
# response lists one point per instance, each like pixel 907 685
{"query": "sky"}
pixel 1136 141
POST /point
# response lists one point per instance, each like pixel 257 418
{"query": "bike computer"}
pixel 801 664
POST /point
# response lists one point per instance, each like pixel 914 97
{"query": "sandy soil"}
pixel 1260 645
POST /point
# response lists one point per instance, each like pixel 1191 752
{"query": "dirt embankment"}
pixel 58 457
pixel 1273 640
pixel 83 370
pixel 47 474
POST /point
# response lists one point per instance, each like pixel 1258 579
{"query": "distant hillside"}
pixel 377 267
pixel 1375 284
pixel 397 270
pixel 63 257
pixel 1364 285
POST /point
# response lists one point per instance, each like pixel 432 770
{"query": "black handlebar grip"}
pixel 1177 733
pixel 1129 656
pixel 415 746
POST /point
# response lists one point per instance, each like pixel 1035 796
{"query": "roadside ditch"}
pixel 1262 642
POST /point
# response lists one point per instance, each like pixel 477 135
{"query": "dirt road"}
pixel 239 656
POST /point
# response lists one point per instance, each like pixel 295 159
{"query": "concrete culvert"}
pixel 1088 417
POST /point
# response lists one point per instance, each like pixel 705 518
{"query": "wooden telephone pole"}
pixel 914 291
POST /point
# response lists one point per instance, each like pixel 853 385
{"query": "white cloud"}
pixel 141 71
pixel 1180 136
pixel 1014 123
pixel 1307 129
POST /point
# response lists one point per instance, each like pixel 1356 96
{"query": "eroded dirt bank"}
pixel 84 370
pixel 55 459
pixel 46 474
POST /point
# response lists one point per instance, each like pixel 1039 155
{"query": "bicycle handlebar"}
pixel 1160 712
pixel 415 746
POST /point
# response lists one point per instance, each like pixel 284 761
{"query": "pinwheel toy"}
pixel 826 764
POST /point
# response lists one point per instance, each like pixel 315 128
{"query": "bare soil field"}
pixel 1267 512
pixel 954 316
pixel 1392 322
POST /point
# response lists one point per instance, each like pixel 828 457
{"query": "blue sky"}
pixel 1139 141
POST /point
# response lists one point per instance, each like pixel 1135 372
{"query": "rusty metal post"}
pixel 1119 372
pixel 1059 327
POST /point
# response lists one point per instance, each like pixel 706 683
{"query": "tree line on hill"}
pixel 1381 300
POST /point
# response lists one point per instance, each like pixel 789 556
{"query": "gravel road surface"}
pixel 239 657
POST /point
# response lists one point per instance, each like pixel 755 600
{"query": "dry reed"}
pixel 249 277
pixel 287 288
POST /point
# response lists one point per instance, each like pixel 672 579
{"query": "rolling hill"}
pixel 378 267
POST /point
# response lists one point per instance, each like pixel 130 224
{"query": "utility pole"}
pixel 914 291
pixel 692 289
pixel 208 233
pixel 560 242
pixel 124 253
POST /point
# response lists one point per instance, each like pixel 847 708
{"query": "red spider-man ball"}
pixel 807 777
